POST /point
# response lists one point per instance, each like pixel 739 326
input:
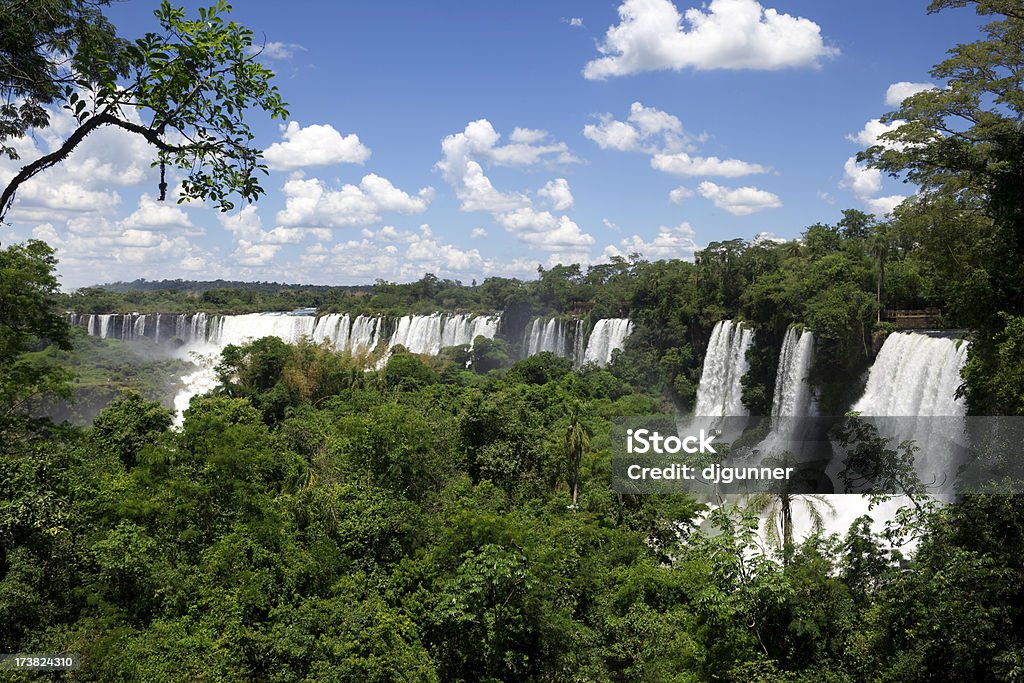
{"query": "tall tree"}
pixel 964 144
pixel 186 91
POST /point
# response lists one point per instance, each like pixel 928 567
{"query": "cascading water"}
pixel 793 394
pixel 915 375
pixel 204 336
pixel 544 335
pixel 607 336
pixel 579 346
pixel 430 333
pixel 720 393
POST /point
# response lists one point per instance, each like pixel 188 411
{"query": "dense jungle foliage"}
pixel 451 518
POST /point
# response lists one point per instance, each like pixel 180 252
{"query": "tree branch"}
pixel 55 157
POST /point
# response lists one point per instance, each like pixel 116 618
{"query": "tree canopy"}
pixel 186 90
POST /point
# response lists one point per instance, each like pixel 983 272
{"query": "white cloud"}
pixel 897 92
pixel 881 206
pixel 576 22
pixel 157 215
pixel 614 227
pixel 276 50
pixel 315 145
pixel 740 201
pixel 646 130
pixel 308 203
pixel 85 180
pixel 405 256
pixel 865 182
pixel 670 243
pixel 868 136
pixel 683 164
pixel 679 194
pixel 476 233
pixel 766 236
pixel 247 227
pixel 544 230
pixel 730 34
pixel 862 180
pixel 254 255
pixel 558 194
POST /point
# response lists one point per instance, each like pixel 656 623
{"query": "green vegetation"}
pixel 313 520
pixel 193 83
pixel 101 370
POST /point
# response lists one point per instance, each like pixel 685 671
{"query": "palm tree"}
pixel 777 508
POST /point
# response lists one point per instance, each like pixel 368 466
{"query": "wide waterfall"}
pixel 202 337
pixel 915 375
pixel 793 394
pixel 607 336
pixel 720 393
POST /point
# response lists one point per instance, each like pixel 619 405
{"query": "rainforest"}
pixel 219 480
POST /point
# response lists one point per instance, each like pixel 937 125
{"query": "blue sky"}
pixel 472 139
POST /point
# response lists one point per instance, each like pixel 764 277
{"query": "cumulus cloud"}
pixel 315 145
pixel 865 183
pixel 515 211
pixel 157 215
pixel 765 236
pixel 740 201
pixel 406 255
pixel 678 195
pixel 544 230
pixel 247 228
pixel 727 34
pixel 308 203
pixel 646 130
pixel 557 193
pixel 683 164
pixel 868 136
pixel 897 92
pixel 476 233
pixel 677 242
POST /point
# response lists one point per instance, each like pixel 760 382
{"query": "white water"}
pixel 793 393
pixel 204 337
pixel 917 375
pixel 720 393
pixel 607 336
pixel 579 345
pixel 430 333
pixel 543 335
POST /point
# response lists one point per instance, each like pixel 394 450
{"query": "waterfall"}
pixel 364 334
pixel 579 347
pixel 915 377
pixel 545 336
pixel 915 374
pixel 205 336
pixel 608 335
pixel 430 333
pixel 720 393
pixel 793 395
pixel 105 325
pixel 238 329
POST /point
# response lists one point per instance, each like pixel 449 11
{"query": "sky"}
pixel 480 139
